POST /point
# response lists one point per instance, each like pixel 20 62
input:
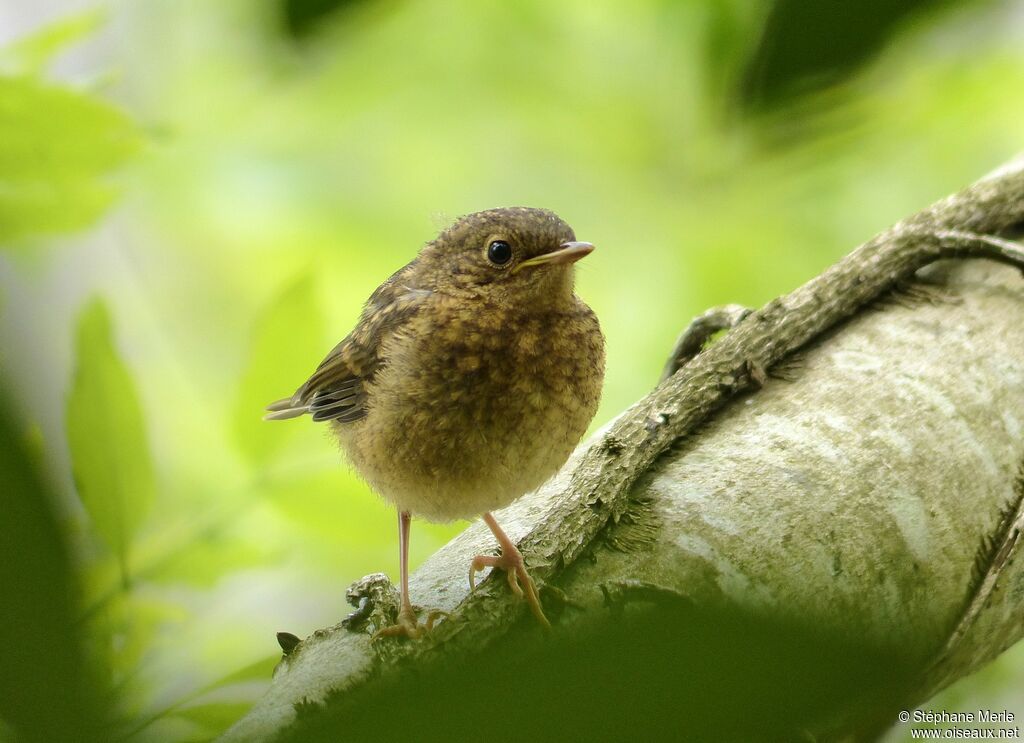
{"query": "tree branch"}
pixel 806 495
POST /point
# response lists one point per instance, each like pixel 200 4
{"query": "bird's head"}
pixel 512 253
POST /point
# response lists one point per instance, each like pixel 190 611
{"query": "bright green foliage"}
pixel 107 437
pixel 29 55
pixel 57 145
pixel 293 322
pixel 206 560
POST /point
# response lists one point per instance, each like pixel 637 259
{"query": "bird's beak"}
pixel 567 253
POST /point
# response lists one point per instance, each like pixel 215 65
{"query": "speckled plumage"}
pixel 477 405
pixel 464 384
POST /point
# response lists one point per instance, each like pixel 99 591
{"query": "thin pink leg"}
pixel 404 524
pixel 407 624
pixel 511 561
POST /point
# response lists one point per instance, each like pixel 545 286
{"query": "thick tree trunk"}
pixel 868 499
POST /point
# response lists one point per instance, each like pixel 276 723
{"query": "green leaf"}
pixel 57 146
pixel 210 557
pixel 286 347
pixel 259 670
pixel 42 641
pixel 107 436
pixel 29 54
pixel 800 50
pixel 217 717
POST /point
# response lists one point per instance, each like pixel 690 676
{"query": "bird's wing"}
pixel 336 391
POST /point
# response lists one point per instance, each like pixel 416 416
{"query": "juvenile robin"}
pixel 471 375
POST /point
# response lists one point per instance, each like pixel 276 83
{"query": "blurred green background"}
pixel 196 197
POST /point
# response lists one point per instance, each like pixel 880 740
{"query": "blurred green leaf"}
pixel 107 436
pixel 807 45
pixel 303 17
pixel 286 347
pixel 259 670
pixel 122 638
pixel 217 716
pixel 30 54
pixel 56 146
pixel 211 556
pixel 41 641
pixel 332 504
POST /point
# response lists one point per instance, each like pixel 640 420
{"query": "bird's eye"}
pixel 499 252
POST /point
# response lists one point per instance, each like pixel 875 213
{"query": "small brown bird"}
pixel 472 374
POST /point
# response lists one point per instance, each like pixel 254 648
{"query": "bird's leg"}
pixel 511 561
pixel 407 624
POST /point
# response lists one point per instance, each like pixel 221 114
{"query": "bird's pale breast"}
pixel 476 405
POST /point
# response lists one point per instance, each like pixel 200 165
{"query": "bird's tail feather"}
pixel 284 409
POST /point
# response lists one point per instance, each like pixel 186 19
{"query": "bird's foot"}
pixel 511 561
pixel 409 626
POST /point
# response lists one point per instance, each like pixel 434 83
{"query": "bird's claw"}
pixel 519 580
pixel 408 625
pixel 513 580
pixel 433 615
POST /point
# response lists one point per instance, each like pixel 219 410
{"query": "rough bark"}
pixel 872 488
